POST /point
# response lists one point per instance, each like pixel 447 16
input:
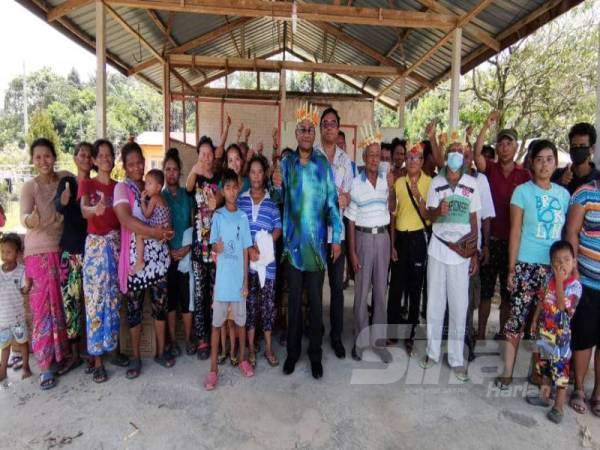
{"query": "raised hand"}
pixel 275 135
pixel 240 131
pixel 491 119
pixel 430 130
pixel 259 148
pixel 247 134
pixel 65 197
pixel 228 121
pixel 211 201
pixel 277 180
pixel 101 205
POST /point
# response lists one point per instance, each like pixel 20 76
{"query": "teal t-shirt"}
pixel 243 188
pixel 234 230
pixel 544 215
pixel 181 214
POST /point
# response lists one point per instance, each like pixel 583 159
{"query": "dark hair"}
pixel 14 239
pixel 540 144
pixel 264 164
pixel 397 142
pixel 81 145
pixel 172 155
pixel 127 149
pixel 386 146
pixel 427 149
pixel 342 134
pixel 237 149
pixel 205 140
pixel 330 110
pixel 100 142
pixel 229 176
pixel 583 129
pixel 561 245
pixel 158 176
pixel 42 142
pixel 489 150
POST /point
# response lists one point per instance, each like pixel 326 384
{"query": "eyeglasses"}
pixel 413 158
pixel 328 124
pixel 303 130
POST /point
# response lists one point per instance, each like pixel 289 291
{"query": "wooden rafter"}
pixel 266 65
pixel 461 22
pixel 134 33
pixel 315 12
pixel 161 26
pixel 471 29
pixel 180 77
pixel 65 8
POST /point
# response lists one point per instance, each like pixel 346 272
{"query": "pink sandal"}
pixel 246 369
pixel 211 381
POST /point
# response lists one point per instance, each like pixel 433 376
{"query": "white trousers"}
pixel 447 282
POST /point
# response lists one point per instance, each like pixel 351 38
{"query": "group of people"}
pixel 425 230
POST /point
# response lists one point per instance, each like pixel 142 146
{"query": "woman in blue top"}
pixel 263 214
pixel 235 161
pixel 538 210
pixel 178 282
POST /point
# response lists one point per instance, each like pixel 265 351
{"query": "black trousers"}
pixel 313 283
pixel 411 248
pixel 335 272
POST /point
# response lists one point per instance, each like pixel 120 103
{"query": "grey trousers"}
pixel 374 258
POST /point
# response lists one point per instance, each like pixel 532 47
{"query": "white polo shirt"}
pixel 462 201
pixel 369 204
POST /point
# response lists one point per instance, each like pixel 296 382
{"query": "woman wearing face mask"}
pixel 582 138
pixel 538 209
pixel 452 203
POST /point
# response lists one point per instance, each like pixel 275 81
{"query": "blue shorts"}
pixel 16 333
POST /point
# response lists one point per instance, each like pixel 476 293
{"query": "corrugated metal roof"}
pixel 264 35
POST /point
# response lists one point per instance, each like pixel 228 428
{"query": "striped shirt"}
pixel 263 216
pixel 588 255
pixel 369 205
pixel 12 309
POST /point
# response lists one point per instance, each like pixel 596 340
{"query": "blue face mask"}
pixel 455 161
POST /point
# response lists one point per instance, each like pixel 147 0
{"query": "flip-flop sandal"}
pixel 203 351
pixel 90 367
pixel 164 360
pixel 595 406
pixel 66 369
pixel 555 415
pixel 272 359
pixel 14 362
pixel 252 360
pixel 502 383
pixel 47 381
pixel 100 375
pixel 135 368
pixel 190 348
pixel 221 358
pixel 577 402
pixel 536 400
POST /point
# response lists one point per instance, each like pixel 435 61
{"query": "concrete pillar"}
pixel 100 70
pixel 402 107
pixel 455 79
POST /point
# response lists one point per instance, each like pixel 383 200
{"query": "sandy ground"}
pixel 355 405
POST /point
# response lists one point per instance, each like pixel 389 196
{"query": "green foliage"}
pixel 41 126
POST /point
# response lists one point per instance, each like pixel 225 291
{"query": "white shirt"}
pixel 343 175
pixel 487 205
pixel 369 205
pixel 462 201
pixel 12 310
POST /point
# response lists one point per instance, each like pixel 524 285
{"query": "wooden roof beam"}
pixel 161 26
pixel 471 29
pixel 65 8
pixel 316 12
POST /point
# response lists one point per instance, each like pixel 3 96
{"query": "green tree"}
pixel 41 127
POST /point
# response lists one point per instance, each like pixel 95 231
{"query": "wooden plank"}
pixel 212 62
pixel 261 94
pixel 100 70
pixel 65 8
pixel 134 33
pixel 180 77
pixel 161 26
pixel 315 12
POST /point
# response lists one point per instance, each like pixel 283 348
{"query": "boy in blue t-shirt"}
pixel 230 237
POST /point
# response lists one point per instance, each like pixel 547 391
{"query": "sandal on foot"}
pixel 165 360
pixel 252 360
pixel 461 374
pixel 246 369
pixel 555 415
pixel 210 382
pixel 502 383
pixel 536 400
pixel 235 361
pixel 100 375
pixel 595 406
pixel 272 359
pixel 73 364
pixel 577 402
pixel 190 348
pixel 427 363
pixel 16 362
pixel 47 381
pixel 120 360
pixel 203 351
pixel 221 358
pixel 135 368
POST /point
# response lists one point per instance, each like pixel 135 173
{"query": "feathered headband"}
pixel 307 112
pixel 417 149
pixel 370 135
pixel 455 138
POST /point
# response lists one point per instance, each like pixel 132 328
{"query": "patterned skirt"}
pixel 49 336
pixel 71 284
pixel 101 290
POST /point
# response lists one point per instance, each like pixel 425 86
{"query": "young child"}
pixel 13 285
pixel 155 209
pixel 551 320
pixel 230 237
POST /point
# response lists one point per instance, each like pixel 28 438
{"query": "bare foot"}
pixel 26 373
pixel 137 267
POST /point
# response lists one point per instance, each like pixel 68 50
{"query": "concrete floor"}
pixel 398 407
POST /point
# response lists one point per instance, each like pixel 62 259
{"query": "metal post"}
pixel 455 79
pixel 100 69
